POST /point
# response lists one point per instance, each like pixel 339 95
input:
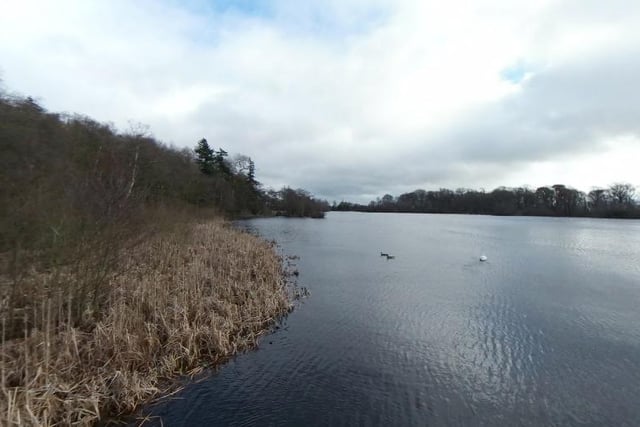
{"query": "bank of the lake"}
pixel 179 302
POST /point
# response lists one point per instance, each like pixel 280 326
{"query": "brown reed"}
pixel 179 301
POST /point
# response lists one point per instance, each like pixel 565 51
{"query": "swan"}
pixel 483 258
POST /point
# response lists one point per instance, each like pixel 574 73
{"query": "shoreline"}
pixel 491 214
pixel 232 290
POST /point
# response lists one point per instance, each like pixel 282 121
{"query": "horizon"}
pixel 353 100
pixel 487 191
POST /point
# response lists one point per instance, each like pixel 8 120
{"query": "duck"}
pixel 383 254
pixel 483 258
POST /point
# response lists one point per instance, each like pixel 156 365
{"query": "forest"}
pixel 66 175
pixel 616 201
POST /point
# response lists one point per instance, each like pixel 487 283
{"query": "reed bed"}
pixel 179 301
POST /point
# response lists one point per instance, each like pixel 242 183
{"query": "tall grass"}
pixel 175 302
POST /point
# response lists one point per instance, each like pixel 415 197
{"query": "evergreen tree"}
pixel 251 175
pixel 220 162
pixel 205 157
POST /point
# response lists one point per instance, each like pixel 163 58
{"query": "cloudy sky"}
pixel 352 99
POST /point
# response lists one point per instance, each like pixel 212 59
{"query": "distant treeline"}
pixel 239 193
pixel 617 201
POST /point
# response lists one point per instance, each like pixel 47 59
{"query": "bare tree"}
pixel 240 164
pixel 623 194
pixel 598 198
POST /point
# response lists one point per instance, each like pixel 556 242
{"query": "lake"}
pixel 545 332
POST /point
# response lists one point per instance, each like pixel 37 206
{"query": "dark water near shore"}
pixel 547 332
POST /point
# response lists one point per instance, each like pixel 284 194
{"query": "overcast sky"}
pixel 351 99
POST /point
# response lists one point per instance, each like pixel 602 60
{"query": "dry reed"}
pixel 179 302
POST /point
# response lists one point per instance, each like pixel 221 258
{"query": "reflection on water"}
pixel 546 332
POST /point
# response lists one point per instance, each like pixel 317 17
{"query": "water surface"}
pixel 546 332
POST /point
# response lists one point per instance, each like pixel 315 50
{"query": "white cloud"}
pixel 352 98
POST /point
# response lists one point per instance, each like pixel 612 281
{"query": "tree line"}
pixel 50 163
pixel 215 165
pixel 616 201
pixel 74 190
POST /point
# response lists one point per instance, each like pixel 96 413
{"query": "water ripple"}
pixel 547 332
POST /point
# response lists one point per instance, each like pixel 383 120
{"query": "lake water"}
pixel 546 332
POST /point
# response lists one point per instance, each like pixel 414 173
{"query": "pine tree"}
pixel 220 162
pixel 251 174
pixel 205 157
